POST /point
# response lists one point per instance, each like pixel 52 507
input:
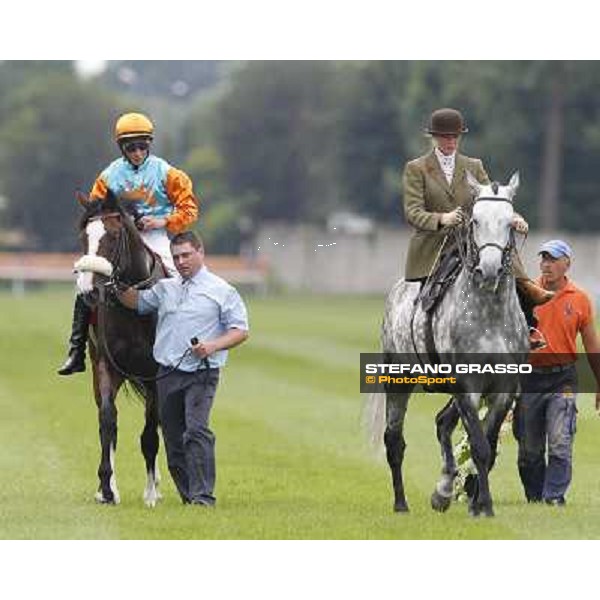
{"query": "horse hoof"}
pixel 401 507
pixel 151 498
pixel 488 512
pixel 152 501
pixel 440 503
pixel 100 499
pixel 474 511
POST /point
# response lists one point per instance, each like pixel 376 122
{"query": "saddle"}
pixel 440 280
pixel 431 295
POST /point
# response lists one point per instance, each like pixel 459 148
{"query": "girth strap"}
pixel 432 353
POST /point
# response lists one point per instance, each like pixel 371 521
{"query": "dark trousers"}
pixel 184 404
pixel 546 415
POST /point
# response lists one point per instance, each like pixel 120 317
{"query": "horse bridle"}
pixel 471 259
pixel 122 249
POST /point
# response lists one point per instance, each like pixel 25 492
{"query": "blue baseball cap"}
pixel 556 249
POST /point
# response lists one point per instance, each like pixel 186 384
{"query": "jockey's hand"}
pixel 147 223
pixel 204 349
pixel 520 224
pixel 451 219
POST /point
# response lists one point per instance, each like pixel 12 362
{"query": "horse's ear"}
pixel 473 183
pixel 81 198
pixel 514 182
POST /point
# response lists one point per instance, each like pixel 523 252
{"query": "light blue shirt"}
pixel 204 306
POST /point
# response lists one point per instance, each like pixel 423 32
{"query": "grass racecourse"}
pixel 292 461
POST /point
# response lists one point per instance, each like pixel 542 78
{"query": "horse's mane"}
pixel 111 203
pixel 93 208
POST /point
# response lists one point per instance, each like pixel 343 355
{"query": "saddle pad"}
pixel 435 287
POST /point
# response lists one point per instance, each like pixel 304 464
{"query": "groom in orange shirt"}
pixel 546 412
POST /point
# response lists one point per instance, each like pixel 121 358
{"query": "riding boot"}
pixel 75 362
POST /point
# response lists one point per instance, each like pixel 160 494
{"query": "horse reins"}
pixel 111 359
pixel 469 258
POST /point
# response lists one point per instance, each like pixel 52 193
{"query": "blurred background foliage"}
pixel 294 141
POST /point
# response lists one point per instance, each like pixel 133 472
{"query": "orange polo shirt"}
pixel 560 320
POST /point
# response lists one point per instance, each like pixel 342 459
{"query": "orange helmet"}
pixel 133 125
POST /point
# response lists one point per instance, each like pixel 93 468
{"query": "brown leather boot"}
pixel 534 293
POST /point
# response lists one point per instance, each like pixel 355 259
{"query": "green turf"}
pixel 291 458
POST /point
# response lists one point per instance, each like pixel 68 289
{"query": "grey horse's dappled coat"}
pixel 479 316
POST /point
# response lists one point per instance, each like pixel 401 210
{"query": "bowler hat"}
pixel 446 121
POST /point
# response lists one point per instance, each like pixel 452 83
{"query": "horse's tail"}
pixel 138 389
pixel 373 419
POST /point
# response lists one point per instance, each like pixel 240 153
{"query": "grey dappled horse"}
pixel 121 344
pixel 479 314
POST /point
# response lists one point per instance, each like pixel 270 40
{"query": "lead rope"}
pixel 111 359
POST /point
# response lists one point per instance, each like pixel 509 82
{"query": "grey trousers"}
pixel 545 416
pixel 184 404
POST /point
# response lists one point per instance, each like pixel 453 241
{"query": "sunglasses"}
pixel 133 146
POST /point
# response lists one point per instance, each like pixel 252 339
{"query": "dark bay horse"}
pixel 478 316
pixel 121 341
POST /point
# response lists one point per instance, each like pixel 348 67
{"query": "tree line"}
pixel 296 140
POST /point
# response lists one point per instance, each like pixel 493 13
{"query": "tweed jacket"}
pixel 427 195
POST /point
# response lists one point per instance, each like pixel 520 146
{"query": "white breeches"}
pixel 158 241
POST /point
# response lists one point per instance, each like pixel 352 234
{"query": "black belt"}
pixel 555 369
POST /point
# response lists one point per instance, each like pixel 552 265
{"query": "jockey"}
pixel 160 196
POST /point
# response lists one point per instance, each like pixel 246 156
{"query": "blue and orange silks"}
pixel 157 189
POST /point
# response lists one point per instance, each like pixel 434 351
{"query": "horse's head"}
pixel 105 229
pixel 490 230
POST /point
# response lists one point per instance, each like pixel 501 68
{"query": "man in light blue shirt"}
pixel 200 316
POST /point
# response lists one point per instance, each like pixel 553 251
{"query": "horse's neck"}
pixel 495 304
pixel 141 258
pixel 479 321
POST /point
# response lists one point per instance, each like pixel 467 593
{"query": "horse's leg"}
pixel 467 405
pixel 493 421
pixel 446 421
pixel 499 405
pixel 106 387
pixel 393 437
pixel 149 442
